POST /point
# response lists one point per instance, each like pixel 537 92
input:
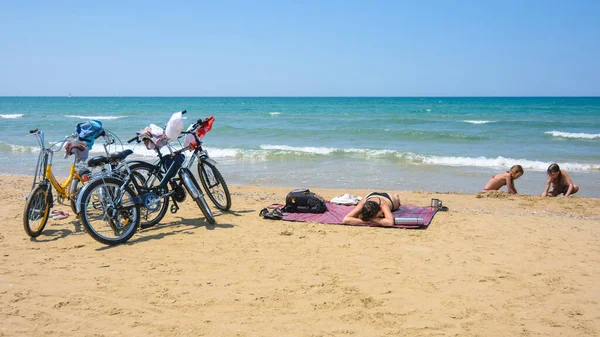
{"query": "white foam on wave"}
pixel 501 163
pixel 414 158
pixel 274 113
pixel 306 149
pixel 477 122
pixel 11 116
pixel 95 117
pixel 370 152
pixel 14 148
pixel 573 135
pixel 327 150
pixel 223 153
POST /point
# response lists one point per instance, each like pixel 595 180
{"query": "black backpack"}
pixel 304 201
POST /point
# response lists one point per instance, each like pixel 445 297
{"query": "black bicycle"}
pixel 211 178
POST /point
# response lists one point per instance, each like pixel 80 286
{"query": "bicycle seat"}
pixel 120 155
pixel 98 160
pixel 113 157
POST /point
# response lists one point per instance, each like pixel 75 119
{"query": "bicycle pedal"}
pixel 174 208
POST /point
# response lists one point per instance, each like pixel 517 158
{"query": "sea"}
pixel 430 144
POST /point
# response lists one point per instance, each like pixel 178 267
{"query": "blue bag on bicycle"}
pixel 88 131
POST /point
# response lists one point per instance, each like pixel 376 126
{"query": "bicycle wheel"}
pixel 214 185
pixel 37 207
pixel 193 188
pixel 107 221
pixel 147 175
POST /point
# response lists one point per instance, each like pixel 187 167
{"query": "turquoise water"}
pixel 430 144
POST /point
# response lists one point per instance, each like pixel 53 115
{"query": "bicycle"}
pixel 110 207
pixel 40 200
pixel 212 180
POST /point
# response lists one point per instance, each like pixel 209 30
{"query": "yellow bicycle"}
pixel 40 200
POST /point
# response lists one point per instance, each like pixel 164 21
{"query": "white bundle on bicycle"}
pixel 158 136
pixel 153 136
pixel 174 126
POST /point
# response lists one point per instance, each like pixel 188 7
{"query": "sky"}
pixel 300 48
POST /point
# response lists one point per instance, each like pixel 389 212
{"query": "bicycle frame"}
pixel 197 151
pixel 44 173
pixel 62 189
pixel 169 174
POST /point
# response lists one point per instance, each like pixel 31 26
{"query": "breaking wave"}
pixel 573 135
pixel 477 122
pixel 11 116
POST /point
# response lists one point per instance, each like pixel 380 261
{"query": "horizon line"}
pixel 307 96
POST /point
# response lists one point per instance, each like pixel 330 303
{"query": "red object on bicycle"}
pixel 206 126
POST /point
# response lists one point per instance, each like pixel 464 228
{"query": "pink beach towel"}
pixel 335 214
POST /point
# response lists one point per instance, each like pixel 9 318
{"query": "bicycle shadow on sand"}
pixel 51 234
pixel 239 213
pixel 181 226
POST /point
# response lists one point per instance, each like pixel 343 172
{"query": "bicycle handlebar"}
pixel 62 143
pixel 199 123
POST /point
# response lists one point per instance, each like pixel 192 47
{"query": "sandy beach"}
pixel 493 265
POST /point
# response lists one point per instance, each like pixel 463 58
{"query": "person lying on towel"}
pixel 376 207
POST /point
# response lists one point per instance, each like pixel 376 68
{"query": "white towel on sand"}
pixel 346 199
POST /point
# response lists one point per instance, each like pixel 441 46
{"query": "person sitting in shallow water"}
pixel 560 181
pixel 506 178
pixel 376 207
